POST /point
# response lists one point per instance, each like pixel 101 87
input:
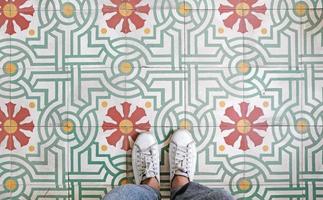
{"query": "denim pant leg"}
pixel 199 192
pixel 133 192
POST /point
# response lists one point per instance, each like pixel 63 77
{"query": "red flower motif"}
pixel 244 126
pixel 11 11
pixel 126 125
pixel 243 10
pixel 13 126
pixel 125 10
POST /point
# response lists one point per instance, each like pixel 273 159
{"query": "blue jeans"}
pixel 189 191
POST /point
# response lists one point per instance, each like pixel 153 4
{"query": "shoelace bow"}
pixel 147 162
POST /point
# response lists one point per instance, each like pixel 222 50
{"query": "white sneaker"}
pixel 145 158
pixel 182 155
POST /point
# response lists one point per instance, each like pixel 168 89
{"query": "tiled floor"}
pixel 79 79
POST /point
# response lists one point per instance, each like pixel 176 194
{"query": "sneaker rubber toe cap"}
pixel 145 140
pixel 182 137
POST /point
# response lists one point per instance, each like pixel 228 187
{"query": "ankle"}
pixel 152 182
pixel 179 181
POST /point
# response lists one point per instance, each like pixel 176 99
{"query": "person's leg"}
pixel 197 191
pixel 145 164
pixel 133 192
pixel 182 159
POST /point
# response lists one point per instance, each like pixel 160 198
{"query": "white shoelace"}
pixel 182 159
pixel 147 163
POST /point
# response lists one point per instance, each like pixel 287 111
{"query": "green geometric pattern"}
pixel 245 77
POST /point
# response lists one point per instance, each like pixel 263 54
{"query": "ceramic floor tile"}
pixel 273 191
pixel 46 191
pixel 5 76
pixel 161 30
pixel 97 85
pixel 310 126
pixel 210 41
pixel 271 89
pixel 32 48
pixel 95 124
pixel 81 190
pixel 28 84
pixel 217 163
pixel 311 37
pixel 210 92
pixel 19 185
pixel 5 192
pixel 99 158
pixel 8 183
pixel 94 90
pixel 313 190
pixel 273 125
pixel 168 4
pixel 147 21
pixel 312 163
pixel 114 162
pixel 137 5
pixel 101 46
pixel 276 42
pixel 15 15
pixel 29 157
pixel 208 4
pixel 263 167
pixel 298 6
pixel 312 4
pixel 65 7
pixel 312 103
pixel 6 142
pixel 164 85
pixel 35 129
